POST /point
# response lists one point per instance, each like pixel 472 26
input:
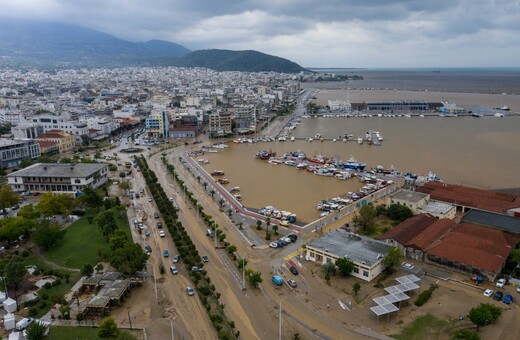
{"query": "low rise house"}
pixel 64 140
pixel 421 203
pixel 367 254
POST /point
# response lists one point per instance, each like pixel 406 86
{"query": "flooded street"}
pixel 480 152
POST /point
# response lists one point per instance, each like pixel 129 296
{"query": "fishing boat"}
pixel 274 160
pixel 301 166
pixel 235 189
pixel 217 173
pixel 351 164
pixel 223 180
pixel 265 154
pixel 360 140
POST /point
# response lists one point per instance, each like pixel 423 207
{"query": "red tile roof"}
pixel 475 246
pixel 410 228
pixel 46 143
pixel 471 197
pixel 432 233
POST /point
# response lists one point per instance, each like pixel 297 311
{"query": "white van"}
pixel 22 324
pixel 209 232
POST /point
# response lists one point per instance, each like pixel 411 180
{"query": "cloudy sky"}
pixel 326 33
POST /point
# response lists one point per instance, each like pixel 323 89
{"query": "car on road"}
pixel 176 258
pixel 287 240
pixel 205 258
pixel 159 225
pixel 293 270
pixel 518 289
pixel 147 249
pixel 156 214
pixel 508 298
pixel 498 296
pixel 291 283
pixel 501 283
pixel 166 253
pixel 283 242
pixel 174 270
pixel 285 223
pixel 150 199
pixel 277 280
pixel 190 291
pixel 162 233
pixel 293 237
pixel 273 245
pixel 171 199
pixel 147 234
pixel 280 243
pixel 196 269
pixel 488 292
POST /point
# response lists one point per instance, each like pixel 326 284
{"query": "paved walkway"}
pixel 38 252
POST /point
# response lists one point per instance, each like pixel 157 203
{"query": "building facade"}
pixel 64 140
pixel 58 178
pixel 219 124
pixel 157 124
pixel 13 152
pixel 367 254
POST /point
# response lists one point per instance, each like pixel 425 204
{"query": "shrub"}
pixel 43 305
pixel 425 296
pixel 47 285
pixel 33 311
pixel 57 282
pixel 36 272
pixel 44 296
pixel 25 253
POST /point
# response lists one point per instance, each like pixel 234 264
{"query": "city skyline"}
pixel 330 34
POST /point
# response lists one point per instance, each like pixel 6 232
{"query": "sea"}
pixel 479 152
pixel 465 80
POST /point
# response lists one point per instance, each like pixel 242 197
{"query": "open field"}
pixel 82 242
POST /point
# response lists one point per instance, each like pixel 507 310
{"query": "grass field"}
pixel 76 333
pixel 82 242
pixel 426 327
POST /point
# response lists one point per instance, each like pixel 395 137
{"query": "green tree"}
pixel 106 222
pixel 399 212
pixel 258 225
pixel 392 259
pixel 515 256
pixel 212 193
pixel 356 287
pixel 117 240
pixel 7 197
pixel 36 331
pixel 87 269
pixel 221 203
pixel 345 266
pixel 29 212
pixel 231 249
pixel 91 198
pixel 99 267
pixel 242 263
pixel 275 229
pixel 205 185
pixel 484 314
pixel 124 185
pixel 25 163
pixel 329 267
pixel 47 234
pixel 50 205
pixel 12 228
pixel 255 278
pixel 367 215
pixel 108 329
pixel 122 174
pixel 198 178
pixel 129 259
pixel 14 271
pixel 85 140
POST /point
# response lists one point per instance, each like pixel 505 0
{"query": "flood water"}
pixel 480 152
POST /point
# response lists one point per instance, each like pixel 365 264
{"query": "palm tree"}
pixel 212 193
pixel 267 223
pixel 275 228
pixel 198 179
pixel 258 225
pixel 221 202
pixel 240 225
pixel 205 185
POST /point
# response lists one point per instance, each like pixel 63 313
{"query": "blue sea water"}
pixel 466 80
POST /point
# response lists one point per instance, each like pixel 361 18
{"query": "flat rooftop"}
pixel 59 170
pixel 436 207
pixel 410 196
pixel 493 220
pixel 352 246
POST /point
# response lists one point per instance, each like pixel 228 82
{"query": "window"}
pixel 356 270
pixel 365 273
pixel 77 181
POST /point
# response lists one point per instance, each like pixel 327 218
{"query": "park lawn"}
pixel 82 242
pixel 426 327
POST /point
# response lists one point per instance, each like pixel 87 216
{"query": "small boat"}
pixel 273 160
pixel 238 197
pixel 293 139
pixel 360 140
pixel 217 173
pixel 301 166
pixel 235 189
pixel 505 108
pixel 498 114
pixel 223 180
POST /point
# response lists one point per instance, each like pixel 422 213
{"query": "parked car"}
pixel 291 283
pixel 159 225
pixel 156 214
pixel 293 270
pixel 273 245
pixel 173 270
pixel 147 249
pixel 205 258
pixel 166 253
pixel 162 233
pixel 498 296
pixel 293 237
pixel 196 269
pixel 277 280
pixel 488 292
pixel 518 289
pixel 501 283
pixel 22 324
pixel 287 240
pixel 508 299
pixel 150 199
pixel 176 258
pixel 285 223
pixel 190 291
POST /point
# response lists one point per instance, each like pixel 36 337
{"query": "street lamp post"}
pixel 280 317
pixel 171 326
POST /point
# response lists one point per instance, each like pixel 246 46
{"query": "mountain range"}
pixel 32 43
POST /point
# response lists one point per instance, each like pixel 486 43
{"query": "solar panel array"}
pixel 386 304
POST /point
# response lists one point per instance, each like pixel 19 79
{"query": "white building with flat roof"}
pixel 366 253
